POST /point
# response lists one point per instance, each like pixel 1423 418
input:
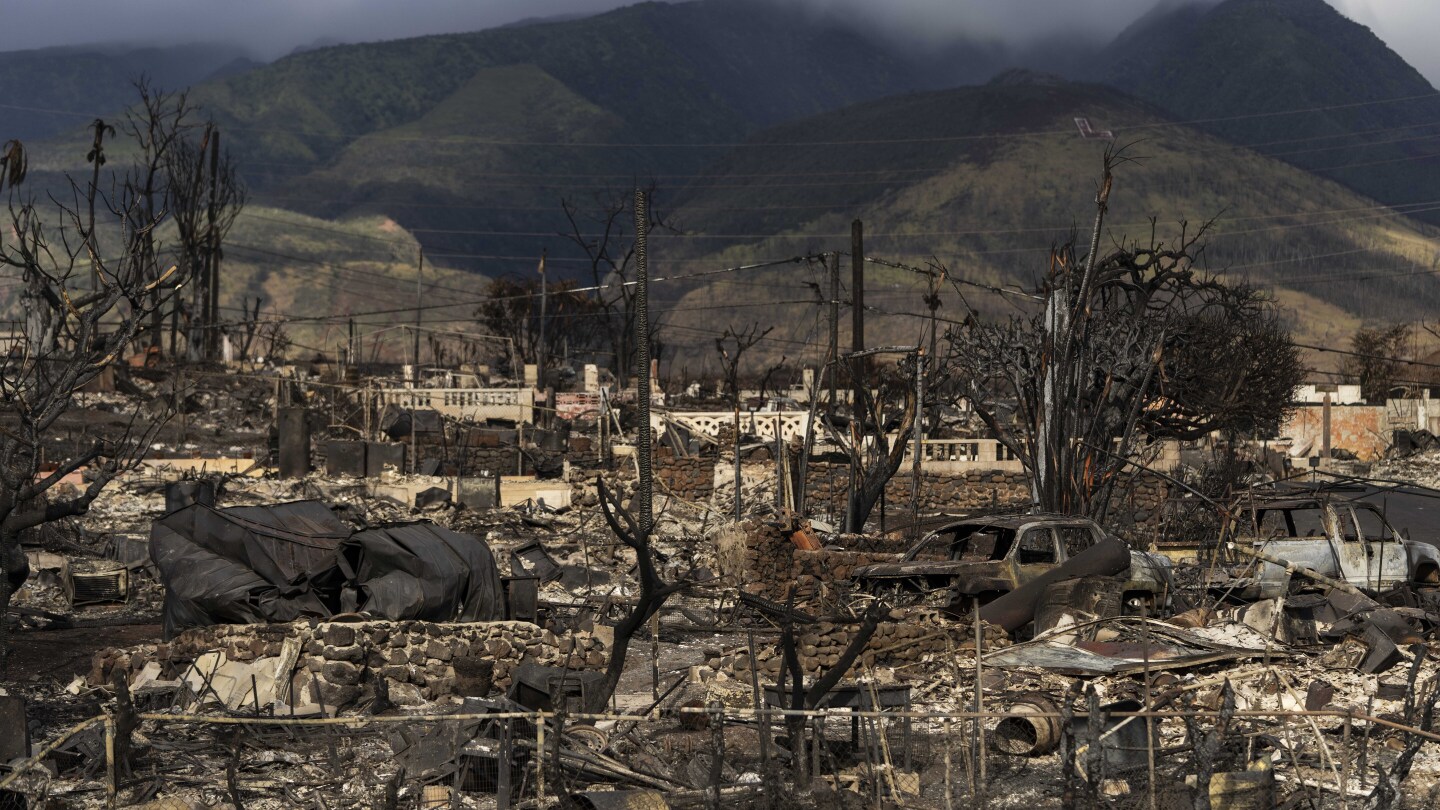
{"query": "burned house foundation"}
pixel 332 665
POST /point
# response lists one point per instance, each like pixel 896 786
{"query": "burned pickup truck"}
pixel 1339 538
pixel 979 559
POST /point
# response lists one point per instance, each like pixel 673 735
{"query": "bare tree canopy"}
pixel 1375 361
pixel 609 248
pixel 1135 343
pixel 884 420
pixel 572 319
pixel 84 307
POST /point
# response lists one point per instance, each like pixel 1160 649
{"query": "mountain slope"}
pixel 985 179
pixel 436 133
pixel 305 271
pixel 52 90
pixel 1373 122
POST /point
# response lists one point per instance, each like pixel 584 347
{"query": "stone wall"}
pixel 811 570
pixel 909 637
pixel 829 485
pixel 1136 508
pixel 692 478
pixel 760 557
pixel 766 561
pixel 339 662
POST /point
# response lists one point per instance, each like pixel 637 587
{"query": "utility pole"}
pixel 834 369
pixel 857 305
pixel 419 274
pixel 212 337
pixel 919 442
pixel 540 352
pixel 642 359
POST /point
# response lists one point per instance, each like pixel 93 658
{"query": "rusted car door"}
pixel 1305 535
pixel 1378 556
pixel 1036 551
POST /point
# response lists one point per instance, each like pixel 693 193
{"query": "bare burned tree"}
pixel 572 318
pixel 1375 360
pixel 155 125
pixel 804 697
pixel 1129 345
pixel 611 255
pixel 874 459
pixel 206 197
pixel 731 346
pixel 654 591
pixel 74 329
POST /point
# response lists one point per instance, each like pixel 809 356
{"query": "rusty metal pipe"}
pixel 1017 608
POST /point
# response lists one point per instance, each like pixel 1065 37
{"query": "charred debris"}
pixel 332 586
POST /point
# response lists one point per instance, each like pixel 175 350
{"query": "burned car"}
pixel 981 558
pixel 1340 538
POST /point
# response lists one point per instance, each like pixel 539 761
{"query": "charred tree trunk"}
pixel 873 459
pixel 654 591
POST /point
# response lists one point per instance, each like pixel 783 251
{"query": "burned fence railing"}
pixel 528 756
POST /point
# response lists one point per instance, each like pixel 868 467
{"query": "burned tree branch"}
pixel 654 591
pixel 1131 343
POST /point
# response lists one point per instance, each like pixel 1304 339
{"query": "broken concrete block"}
pixel 337 695
pixel 431 497
pixel 1385 690
pixel 405 694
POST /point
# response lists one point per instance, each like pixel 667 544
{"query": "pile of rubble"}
pixel 394 639
pixel 333 664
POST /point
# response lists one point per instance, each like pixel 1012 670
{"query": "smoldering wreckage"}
pixel 362 635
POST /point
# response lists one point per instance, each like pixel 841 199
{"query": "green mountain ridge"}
pixel 985 179
pixel 1372 122
pixel 766 130
pixel 47 91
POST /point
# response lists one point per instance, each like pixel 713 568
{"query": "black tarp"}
pixel 247 564
pixel 421 571
pixel 279 563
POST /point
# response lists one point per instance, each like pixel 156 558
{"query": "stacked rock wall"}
pixel 829 485
pixel 692 478
pixel 767 559
pixel 812 570
pixel 418 660
pixel 909 637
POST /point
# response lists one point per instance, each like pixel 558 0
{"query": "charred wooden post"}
pixel 642 358
pixel 857 304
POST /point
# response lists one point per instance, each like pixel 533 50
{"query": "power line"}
pixel 592 288
pixel 1362 355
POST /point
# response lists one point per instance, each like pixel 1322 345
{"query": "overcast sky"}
pixel 273 27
